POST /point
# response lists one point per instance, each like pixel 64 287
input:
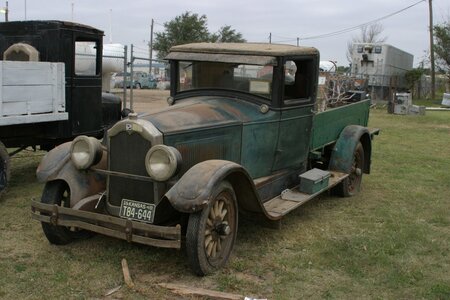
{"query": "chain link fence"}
pixel 136 71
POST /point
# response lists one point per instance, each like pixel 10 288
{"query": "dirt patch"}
pixel 145 100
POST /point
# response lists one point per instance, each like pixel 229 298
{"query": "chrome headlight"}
pixel 85 152
pixel 162 162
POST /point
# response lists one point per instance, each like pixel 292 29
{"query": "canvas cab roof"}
pixel 249 53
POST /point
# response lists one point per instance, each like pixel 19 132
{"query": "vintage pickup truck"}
pixel 241 137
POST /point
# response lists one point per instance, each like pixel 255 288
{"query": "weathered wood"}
pixel 168 232
pixel 165 237
pixel 28 89
pixel 113 290
pixel 192 291
pixel 126 274
pixel 293 198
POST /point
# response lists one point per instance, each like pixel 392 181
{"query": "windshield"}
pixel 256 80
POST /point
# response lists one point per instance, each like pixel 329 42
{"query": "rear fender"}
pixel 194 190
pixel 342 155
pixel 57 165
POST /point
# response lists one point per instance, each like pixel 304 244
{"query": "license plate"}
pixel 135 210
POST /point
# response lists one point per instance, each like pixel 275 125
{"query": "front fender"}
pixel 342 155
pixel 194 189
pixel 53 162
pixel 57 165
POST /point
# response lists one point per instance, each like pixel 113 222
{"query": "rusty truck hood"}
pixel 204 112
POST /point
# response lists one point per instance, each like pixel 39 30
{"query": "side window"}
pixel 297 81
pixel 85 58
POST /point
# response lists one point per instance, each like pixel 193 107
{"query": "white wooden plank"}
pixel 28 119
pixel 38 93
pixel 39 107
pixel 28 73
pixel 26 108
pixel 15 108
pixel 28 88
pixel 61 86
pixel 54 89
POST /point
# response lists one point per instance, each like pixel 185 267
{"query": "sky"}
pixel 128 22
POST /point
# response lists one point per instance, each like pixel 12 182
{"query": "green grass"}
pixel 428 103
pixel 390 241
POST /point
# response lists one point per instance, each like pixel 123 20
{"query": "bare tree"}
pixel 368 34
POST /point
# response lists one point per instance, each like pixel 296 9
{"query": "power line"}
pixel 283 37
pixel 284 41
pixel 360 25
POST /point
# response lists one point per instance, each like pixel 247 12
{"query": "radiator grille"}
pixel 127 155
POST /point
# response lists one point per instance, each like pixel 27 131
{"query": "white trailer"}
pixel 382 65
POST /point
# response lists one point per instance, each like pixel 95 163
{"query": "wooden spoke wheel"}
pixel 211 233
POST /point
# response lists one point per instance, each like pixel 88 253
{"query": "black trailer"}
pixel 84 110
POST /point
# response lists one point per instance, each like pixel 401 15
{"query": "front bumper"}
pixel 131 231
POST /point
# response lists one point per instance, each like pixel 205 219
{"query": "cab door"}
pixel 294 132
pixel 86 86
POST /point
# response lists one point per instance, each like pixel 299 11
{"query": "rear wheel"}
pixel 5 168
pixel 351 185
pixel 58 192
pixel 211 233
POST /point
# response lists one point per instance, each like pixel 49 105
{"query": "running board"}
pixel 290 199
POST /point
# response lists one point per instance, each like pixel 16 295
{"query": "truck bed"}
pixel 328 125
pixel 31 92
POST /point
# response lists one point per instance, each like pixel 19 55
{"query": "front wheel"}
pixel 351 185
pixel 58 192
pixel 211 232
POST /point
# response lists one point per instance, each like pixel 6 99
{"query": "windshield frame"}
pixel 176 93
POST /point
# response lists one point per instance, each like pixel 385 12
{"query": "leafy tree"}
pixel 191 28
pixel 412 78
pixel 343 69
pixel 187 28
pixel 227 35
pixel 368 34
pixel 442 47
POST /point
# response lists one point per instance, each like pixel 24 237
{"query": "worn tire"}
pixel 58 192
pixel 5 168
pixel 211 233
pixel 351 185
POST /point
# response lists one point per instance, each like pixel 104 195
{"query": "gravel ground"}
pixel 145 100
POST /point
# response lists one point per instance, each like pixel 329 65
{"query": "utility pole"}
pixel 298 41
pixel 150 46
pixel 433 79
pixel 110 25
pixel 6 12
pixel 270 37
pixel 25 10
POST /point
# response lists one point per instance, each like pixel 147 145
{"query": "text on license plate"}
pixel 136 210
